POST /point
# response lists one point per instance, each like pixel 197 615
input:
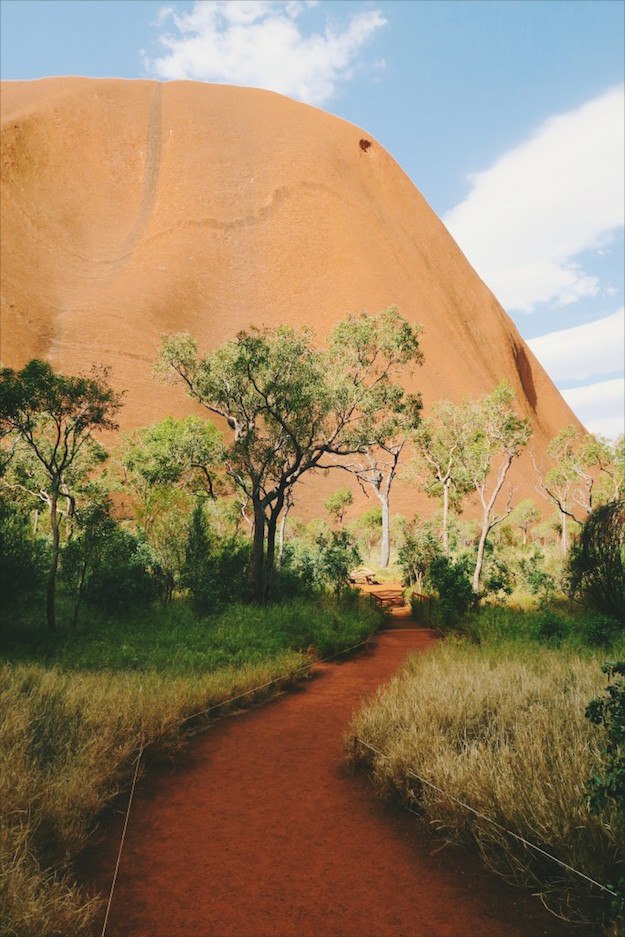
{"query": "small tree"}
pixel 439 445
pixel 52 416
pixel 84 553
pixel 525 515
pixel 337 504
pixel 587 473
pixel 339 554
pixel 494 432
pixel 376 466
pixel 419 548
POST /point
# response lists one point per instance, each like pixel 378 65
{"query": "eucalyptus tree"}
pixel 288 404
pixel 186 453
pixel 439 445
pixel 495 434
pixel 376 465
pixel 587 473
pixel 337 504
pixel 525 515
pixel 49 419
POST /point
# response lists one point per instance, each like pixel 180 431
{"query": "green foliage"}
pixel 534 575
pixel 289 404
pixel 171 639
pixel 525 515
pixel 338 502
pixel 86 552
pixel 125 575
pixel 497 576
pixel 50 418
pixel 607 790
pixel 22 559
pixel 163 516
pixel 186 452
pixel 599 630
pixel 338 555
pixel 419 548
pixel 552 628
pixel 451 581
pixel 214 569
pixel 596 571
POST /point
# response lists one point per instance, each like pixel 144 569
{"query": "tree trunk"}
pixel 385 546
pixel 477 575
pixel 258 554
pixel 282 531
pixel 564 540
pixel 524 529
pixel 77 603
pixel 54 565
pixel 445 531
pixel 270 554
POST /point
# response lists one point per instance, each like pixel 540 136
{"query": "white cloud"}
pixel 260 43
pixel 543 203
pixel 584 351
pixel 600 407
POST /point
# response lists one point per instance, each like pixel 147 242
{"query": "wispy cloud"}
pixel 584 351
pixel 543 203
pixel 264 43
pixel 600 406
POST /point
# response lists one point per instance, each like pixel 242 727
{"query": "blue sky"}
pixel 507 115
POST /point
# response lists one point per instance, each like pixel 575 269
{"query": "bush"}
pixel 599 630
pixel 22 559
pixel 451 581
pixel 597 563
pixel 125 574
pixel 338 555
pixel 215 570
pixel 607 789
pixel 533 574
pixel 551 628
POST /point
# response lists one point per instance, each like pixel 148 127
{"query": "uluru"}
pixel 136 208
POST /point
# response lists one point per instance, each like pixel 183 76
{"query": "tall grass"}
pixel 502 728
pixel 71 728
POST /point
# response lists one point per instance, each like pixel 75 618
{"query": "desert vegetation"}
pixel 144 585
pixel 510 720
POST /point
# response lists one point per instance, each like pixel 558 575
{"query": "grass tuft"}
pixel 502 728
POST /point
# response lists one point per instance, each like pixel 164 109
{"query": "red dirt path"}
pixel 260 830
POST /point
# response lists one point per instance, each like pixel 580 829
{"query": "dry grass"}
pixel 67 742
pixel 503 729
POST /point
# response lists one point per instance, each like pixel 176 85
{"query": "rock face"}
pixel 135 208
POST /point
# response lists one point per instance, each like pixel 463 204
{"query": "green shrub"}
pixel 607 789
pixel 451 581
pixel 598 630
pixel 22 559
pixel 596 570
pixel 126 574
pixel 552 628
pixel 338 554
pixel 215 570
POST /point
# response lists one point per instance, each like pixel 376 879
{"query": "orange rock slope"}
pixel 135 208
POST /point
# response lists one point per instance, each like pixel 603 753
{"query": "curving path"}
pixel 260 830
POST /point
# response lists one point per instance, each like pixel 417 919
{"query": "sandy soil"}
pixel 261 830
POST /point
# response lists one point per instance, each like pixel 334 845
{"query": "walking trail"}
pixel 260 830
